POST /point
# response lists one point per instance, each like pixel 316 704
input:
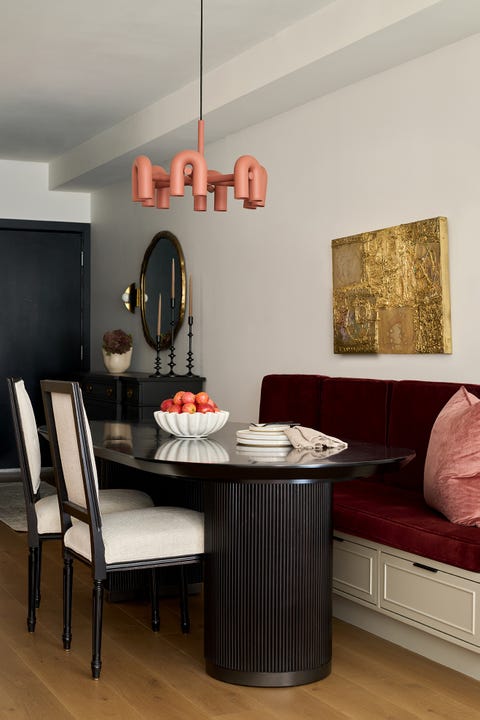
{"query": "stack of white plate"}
pixel 267 436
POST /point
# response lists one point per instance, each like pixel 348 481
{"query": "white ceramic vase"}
pixel 117 362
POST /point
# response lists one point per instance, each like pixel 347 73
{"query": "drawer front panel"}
pixel 355 570
pixel 109 391
pixel 152 391
pixel 437 599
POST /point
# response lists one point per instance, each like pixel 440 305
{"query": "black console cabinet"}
pixel 131 396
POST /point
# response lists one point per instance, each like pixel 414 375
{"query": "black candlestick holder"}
pixel 190 353
pixel 172 346
pixel 158 362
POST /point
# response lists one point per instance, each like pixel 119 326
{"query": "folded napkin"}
pixel 303 438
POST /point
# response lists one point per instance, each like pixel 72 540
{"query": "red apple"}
pixel 201 397
pixel 178 398
pixel 188 397
pixel 189 408
pixel 174 408
pixel 204 408
pixel 166 404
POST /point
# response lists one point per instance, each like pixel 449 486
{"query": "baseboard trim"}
pixel 10 475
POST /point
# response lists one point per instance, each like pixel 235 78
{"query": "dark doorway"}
pixel 45 314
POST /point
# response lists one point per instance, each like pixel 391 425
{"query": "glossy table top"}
pixel 219 456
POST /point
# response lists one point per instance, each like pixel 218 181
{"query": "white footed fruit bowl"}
pixel 191 425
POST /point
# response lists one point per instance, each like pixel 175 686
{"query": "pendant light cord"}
pixel 201 59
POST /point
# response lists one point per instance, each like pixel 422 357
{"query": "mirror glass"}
pixel 163 268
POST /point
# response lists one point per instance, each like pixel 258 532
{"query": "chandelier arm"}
pixel 218 178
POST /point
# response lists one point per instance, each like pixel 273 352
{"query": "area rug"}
pixel 12 504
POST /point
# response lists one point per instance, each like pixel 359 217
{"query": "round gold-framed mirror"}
pixel 162 274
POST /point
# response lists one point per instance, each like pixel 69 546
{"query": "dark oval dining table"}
pixel 268 542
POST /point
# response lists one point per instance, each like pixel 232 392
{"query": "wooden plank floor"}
pixel 161 676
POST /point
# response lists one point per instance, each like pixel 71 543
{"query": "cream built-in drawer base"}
pixel 431 596
pixel 437 599
pixel 355 570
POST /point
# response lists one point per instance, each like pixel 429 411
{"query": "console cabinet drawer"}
pixel 150 391
pixel 101 389
pixel 355 570
pixel 131 396
pixel 439 600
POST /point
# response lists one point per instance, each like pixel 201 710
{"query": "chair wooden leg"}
pixel 32 571
pixel 67 602
pixel 38 575
pixel 97 618
pixel 184 616
pixel 155 600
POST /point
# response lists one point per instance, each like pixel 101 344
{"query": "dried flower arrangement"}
pixel 116 342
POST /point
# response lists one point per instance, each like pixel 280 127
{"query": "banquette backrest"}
pixel 414 406
pixel 399 413
pixel 291 397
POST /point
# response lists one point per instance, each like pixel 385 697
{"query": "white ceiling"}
pixel 86 85
pixel 74 68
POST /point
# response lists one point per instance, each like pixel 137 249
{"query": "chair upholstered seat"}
pixel 48 515
pixel 111 501
pixel 166 532
pixel 122 499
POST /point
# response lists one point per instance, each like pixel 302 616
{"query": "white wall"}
pixel 400 146
pixel 25 195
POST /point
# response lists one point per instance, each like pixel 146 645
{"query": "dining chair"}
pixel 43 513
pixel 148 538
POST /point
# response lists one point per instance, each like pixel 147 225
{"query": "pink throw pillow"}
pixel 452 464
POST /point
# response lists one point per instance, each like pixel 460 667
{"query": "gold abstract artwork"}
pixel 391 290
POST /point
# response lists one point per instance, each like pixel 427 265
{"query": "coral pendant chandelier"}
pixel 152 186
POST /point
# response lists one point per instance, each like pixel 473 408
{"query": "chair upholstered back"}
pixel 68 447
pixel 43 516
pixel 28 443
pixel 72 453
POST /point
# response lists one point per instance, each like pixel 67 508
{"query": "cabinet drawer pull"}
pixel 425 567
pixel 109 392
pixel 89 388
pixel 129 393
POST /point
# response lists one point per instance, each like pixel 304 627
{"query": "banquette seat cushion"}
pixel 400 518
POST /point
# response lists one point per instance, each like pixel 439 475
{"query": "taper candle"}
pixel 173 279
pixel 190 302
pixel 159 317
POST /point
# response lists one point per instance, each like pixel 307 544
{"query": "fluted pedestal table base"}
pixel 268 582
